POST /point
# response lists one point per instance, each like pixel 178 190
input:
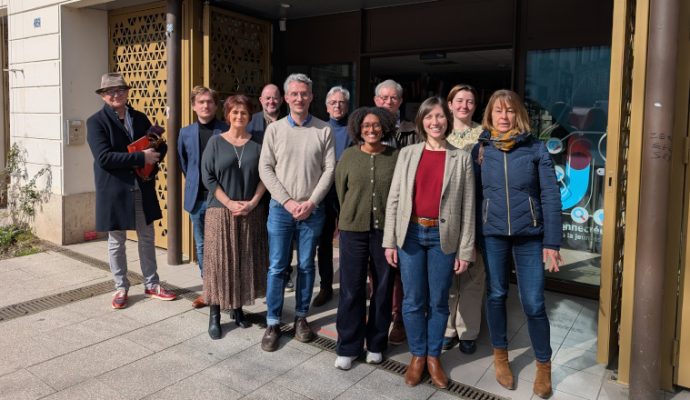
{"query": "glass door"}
pixel 566 93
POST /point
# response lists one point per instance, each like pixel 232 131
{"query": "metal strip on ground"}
pixel 56 300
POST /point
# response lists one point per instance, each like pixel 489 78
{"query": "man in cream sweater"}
pixel 297 166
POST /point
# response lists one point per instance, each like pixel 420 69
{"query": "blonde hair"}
pixel 510 99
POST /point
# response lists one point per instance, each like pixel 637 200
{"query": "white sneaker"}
pixel 374 358
pixel 344 362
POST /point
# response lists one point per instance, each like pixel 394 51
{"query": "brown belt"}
pixel 426 222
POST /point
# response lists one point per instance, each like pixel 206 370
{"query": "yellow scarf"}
pixel 504 141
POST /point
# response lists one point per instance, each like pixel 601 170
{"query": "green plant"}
pixel 23 193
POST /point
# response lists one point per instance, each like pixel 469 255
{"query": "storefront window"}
pixel 324 77
pixel 566 92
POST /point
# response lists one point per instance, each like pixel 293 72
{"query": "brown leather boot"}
pixel 542 382
pixel 438 376
pixel 414 372
pixel 503 374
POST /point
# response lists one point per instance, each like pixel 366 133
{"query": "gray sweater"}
pixel 297 162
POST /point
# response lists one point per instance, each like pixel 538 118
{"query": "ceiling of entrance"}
pixel 482 60
pixel 274 9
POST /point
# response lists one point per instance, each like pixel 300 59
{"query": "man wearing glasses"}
pixel 389 95
pixel 124 201
pixel 270 103
pixel 297 166
pixel 337 106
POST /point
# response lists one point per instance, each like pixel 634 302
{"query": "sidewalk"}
pixel 154 349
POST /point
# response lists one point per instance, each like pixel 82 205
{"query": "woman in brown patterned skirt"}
pixel 235 248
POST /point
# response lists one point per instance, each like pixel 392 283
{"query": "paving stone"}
pixel 88 390
pixel 319 379
pixel 253 368
pixel 233 341
pixel 150 374
pixel 23 351
pixel 393 386
pixel 148 311
pixel 467 368
pixel 169 332
pixel 88 332
pixel 198 387
pixel 358 393
pixel 21 385
pixel 271 391
pixel 79 366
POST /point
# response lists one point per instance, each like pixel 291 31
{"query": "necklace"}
pixel 239 155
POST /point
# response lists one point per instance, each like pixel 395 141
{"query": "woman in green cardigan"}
pixel 362 179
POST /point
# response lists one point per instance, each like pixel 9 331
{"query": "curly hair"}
pixel 386 119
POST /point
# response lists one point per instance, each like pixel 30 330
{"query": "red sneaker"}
pixel 119 299
pixel 158 292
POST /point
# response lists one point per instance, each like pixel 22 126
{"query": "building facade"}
pixel 580 65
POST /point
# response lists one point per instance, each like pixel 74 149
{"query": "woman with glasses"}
pixel 429 234
pixel 362 179
pixel 521 220
pixel 467 290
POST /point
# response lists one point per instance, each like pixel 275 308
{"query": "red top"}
pixel 428 184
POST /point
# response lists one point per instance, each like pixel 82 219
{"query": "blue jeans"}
pixel 426 274
pixel 198 214
pixel 527 252
pixel 282 227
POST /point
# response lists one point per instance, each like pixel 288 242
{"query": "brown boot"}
pixel 414 372
pixel 542 382
pixel 503 374
pixel 438 376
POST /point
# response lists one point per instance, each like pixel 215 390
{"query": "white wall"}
pixel 35 101
pixel 84 60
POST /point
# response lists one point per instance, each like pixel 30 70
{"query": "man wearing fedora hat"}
pixel 124 201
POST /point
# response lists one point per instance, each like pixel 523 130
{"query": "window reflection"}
pixel 566 92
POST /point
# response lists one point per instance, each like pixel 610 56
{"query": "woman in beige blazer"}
pixel 429 233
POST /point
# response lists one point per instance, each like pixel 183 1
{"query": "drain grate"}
pixel 60 299
pixel 53 301
pixel 454 388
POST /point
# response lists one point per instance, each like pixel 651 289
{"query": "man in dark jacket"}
pixel 124 201
pixel 270 112
pixel 190 147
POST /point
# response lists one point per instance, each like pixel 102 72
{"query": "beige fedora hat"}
pixel 112 80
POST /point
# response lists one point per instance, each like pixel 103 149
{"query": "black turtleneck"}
pixel 205 134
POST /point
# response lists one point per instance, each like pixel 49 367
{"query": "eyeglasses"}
pixel 334 102
pixel 393 99
pixel 115 92
pixel 375 126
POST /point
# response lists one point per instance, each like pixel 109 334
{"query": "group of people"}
pixel 432 216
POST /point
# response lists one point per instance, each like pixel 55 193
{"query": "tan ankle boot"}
pixel 503 374
pixel 542 382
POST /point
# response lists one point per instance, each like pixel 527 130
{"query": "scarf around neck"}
pixel 504 141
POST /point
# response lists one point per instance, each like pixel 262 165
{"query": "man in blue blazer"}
pixel 190 147
pixel 270 103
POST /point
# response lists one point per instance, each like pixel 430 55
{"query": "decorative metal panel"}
pixel 618 256
pixel 137 49
pixel 237 53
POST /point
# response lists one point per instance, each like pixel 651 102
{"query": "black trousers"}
pixel 358 251
pixel 325 250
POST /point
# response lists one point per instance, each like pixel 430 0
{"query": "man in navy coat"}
pixel 190 147
pixel 124 201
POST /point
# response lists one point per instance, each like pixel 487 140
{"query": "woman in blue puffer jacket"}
pixel 520 216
